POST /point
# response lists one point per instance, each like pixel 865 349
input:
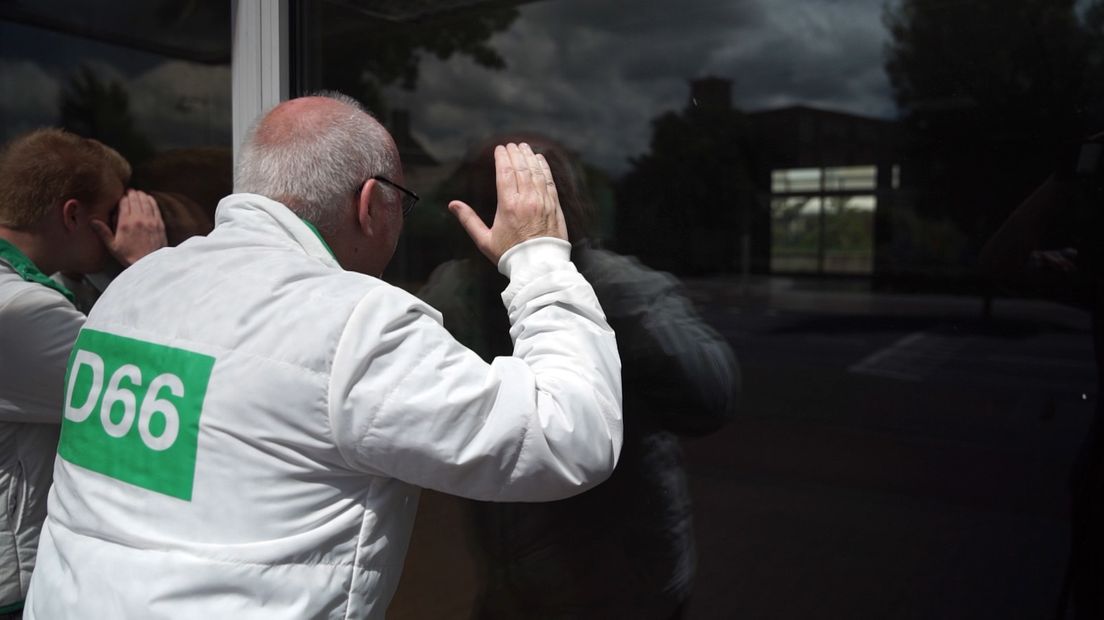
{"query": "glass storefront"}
pixel 841 196
pixel 826 180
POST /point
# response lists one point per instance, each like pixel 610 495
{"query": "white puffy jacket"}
pixel 247 425
pixel 37 329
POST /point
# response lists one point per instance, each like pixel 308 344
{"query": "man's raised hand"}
pixel 528 206
pixel 139 230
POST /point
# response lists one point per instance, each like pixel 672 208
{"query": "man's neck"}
pixel 33 245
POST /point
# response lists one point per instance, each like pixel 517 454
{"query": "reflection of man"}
pixel 559 559
pixel 57 191
pixel 258 453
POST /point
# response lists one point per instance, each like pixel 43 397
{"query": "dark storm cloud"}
pixel 649 17
pixel 827 54
pixel 594 74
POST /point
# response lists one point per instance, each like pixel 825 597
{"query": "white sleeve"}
pixel 408 401
pixel 37 332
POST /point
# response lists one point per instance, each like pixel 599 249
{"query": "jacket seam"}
pixel 11 521
pixel 515 469
pixel 356 559
pixel 177 340
pixel 386 400
pixel 206 558
pixel 329 389
pixel 390 396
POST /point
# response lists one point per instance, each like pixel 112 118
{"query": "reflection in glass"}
pixel 849 234
pixel 850 178
pixel 796 180
pixel 823 229
pixel 149 79
pixel 825 207
pixel 795 234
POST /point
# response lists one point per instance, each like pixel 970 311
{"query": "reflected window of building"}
pixel 822 220
pixel 796 180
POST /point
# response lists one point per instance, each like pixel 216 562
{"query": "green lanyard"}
pixel 319 235
pixel 27 270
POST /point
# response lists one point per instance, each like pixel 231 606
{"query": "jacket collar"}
pixel 246 207
pixel 27 270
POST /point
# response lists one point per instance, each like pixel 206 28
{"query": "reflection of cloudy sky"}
pixel 595 73
pixel 174 103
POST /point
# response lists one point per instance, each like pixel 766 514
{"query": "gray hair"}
pixel 315 166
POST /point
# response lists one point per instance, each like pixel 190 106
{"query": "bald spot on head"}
pixel 313 154
pixel 297 119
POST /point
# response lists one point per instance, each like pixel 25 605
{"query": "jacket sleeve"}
pixel 407 401
pixel 37 332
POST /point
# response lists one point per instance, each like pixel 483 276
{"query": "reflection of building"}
pixel 816 191
pixel 832 178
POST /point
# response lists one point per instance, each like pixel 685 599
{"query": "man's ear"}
pixel 365 207
pixel 72 214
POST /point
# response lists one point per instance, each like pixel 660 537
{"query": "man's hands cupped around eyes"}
pixel 139 230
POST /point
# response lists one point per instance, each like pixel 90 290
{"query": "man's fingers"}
pixel 140 229
pixel 128 208
pixel 139 210
pixel 474 226
pixel 146 202
pixel 152 209
pixel 505 181
pixel 137 202
pixel 535 170
pixel 521 167
pixel 550 183
pixel 545 169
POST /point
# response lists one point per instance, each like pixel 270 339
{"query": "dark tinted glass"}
pixel 150 79
pixel 840 192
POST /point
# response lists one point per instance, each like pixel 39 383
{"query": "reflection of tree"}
pixel 363 54
pixel 847 229
pixel 96 109
pixel 681 207
pixel 990 89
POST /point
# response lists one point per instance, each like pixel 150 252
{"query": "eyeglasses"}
pixel 409 198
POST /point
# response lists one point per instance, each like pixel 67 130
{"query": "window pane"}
pixel 850 178
pixel 797 180
pixel 795 234
pixel 849 234
pixel 823 179
pixel 149 79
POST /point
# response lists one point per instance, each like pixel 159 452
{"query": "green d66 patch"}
pixel 132 411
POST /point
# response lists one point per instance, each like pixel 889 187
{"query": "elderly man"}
pixel 249 416
pixel 58 192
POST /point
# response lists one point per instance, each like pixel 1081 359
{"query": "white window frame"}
pixel 259 61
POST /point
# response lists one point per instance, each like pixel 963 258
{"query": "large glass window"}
pixel 907 431
pixel 150 79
